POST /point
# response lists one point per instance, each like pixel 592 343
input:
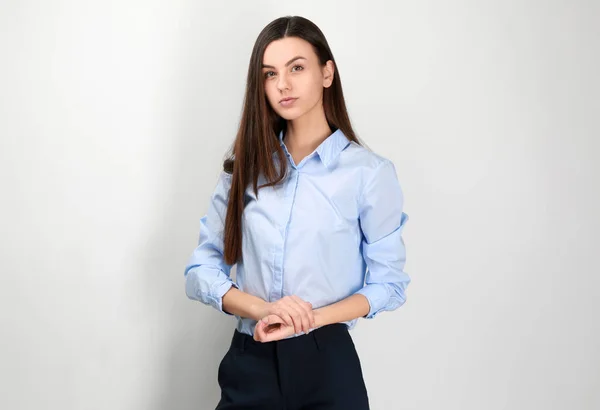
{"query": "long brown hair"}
pixel 251 154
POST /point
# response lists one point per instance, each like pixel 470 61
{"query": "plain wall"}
pixel 114 119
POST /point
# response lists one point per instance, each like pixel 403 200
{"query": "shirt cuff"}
pixel 377 294
pixel 216 299
pixel 208 285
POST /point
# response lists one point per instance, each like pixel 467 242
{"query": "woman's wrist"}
pixel 320 318
pixel 350 308
pixel 244 304
pixel 259 309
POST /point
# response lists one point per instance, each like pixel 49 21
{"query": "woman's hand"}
pixel 271 328
pixel 293 312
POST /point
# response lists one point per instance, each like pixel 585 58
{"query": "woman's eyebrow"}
pixel 286 64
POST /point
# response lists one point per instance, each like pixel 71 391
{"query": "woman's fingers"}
pixel 307 307
pixel 266 327
pixel 285 309
pixel 274 329
pixel 295 312
pixel 302 316
pixel 258 332
pixel 284 315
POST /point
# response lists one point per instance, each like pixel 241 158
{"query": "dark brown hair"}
pixel 251 154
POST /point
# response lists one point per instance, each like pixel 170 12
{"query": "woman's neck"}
pixel 304 134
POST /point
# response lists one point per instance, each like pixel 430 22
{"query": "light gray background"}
pixel 114 118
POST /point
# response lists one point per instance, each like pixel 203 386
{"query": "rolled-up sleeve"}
pixel 207 276
pixel 382 220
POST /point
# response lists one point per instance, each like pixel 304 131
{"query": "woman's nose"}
pixel 282 83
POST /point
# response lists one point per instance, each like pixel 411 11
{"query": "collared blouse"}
pixel 330 229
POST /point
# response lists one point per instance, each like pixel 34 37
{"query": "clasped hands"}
pixel 285 317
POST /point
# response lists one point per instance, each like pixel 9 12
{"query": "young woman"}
pixel 303 209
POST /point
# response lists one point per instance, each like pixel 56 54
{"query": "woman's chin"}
pixel 290 115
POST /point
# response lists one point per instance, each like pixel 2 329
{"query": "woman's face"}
pixel 291 69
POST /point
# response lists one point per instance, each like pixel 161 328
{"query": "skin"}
pixel 307 128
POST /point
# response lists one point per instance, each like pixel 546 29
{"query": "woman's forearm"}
pixel 244 304
pixel 352 307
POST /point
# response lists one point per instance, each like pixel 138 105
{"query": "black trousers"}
pixel 316 371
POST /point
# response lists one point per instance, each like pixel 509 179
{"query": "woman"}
pixel 303 208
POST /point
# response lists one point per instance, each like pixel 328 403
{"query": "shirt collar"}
pixel 329 149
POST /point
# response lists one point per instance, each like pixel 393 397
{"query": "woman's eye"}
pixel 271 72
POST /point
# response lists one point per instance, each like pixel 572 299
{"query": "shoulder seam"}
pixel 375 172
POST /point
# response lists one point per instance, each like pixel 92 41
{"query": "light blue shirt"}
pixel 331 229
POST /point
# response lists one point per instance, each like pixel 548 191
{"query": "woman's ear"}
pixel 328 73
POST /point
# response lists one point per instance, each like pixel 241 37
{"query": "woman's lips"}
pixel 287 103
